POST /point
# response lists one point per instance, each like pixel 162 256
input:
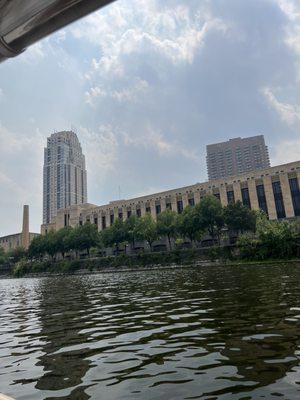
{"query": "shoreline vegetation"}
pixel 206 233
pixel 93 266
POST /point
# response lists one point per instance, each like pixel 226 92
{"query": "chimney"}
pixel 25 229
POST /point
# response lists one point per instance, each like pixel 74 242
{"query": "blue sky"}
pixel 147 84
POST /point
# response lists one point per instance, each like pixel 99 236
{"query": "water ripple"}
pixel 203 333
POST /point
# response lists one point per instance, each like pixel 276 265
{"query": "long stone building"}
pixel 274 190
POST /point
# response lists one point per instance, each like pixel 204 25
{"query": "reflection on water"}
pixel 202 333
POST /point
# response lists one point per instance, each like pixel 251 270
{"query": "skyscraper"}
pixel 64 173
pixel 237 156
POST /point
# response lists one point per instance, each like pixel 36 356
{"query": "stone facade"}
pixel 275 190
pixel 15 240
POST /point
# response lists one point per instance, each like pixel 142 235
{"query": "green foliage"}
pixel 188 223
pixel 118 233
pixel 239 218
pixel 146 229
pixel 167 225
pixel 179 243
pixel 82 237
pixel 273 240
pixel 211 216
pixel 249 247
pixel 37 247
pixel 130 227
pixel 62 242
pixel 16 254
pixel 3 256
pixel 107 237
pixel 50 243
pixel 21 268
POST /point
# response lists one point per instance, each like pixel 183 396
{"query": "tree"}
pixel 146 229
pixel 118 233
pixel 188 224
pixel 130 226
pixel 107 237
pixel 3 256
pixel 239 218
pixel 211 216
pixel 273 239
pixel 62 243
pixel 83 237
pixel 278 239
pixel 50 244
pixel 37 247
pixel 17 253
pixel 167 225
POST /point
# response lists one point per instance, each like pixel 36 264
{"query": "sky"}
pixel 146 85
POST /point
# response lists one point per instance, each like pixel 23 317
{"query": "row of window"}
pixel 261 197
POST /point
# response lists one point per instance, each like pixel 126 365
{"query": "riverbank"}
pixel 111 263
pixel 139 262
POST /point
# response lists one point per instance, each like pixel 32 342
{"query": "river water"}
pixel 200 333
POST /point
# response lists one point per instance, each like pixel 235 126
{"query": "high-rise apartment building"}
pixel 65 181
pixel 237 156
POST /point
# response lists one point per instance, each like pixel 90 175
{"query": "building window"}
pixel 295 192
pixel 95 220
pixel 191 202
pixel 158 209
pixel 230 196
pixel 120 215
pixel 103 222
pixel 138 212
pixel 148 209
pixel 179 206
pixel 245 197
pixel 168 206
pixel 129 213
pixel 261 197
pixel 65 220
pixel 112 218
pixel 278 199
pixel 217 195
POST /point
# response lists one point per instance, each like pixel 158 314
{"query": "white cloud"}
pixel 125 94
pixel 21 160
pixel 101 146
pixel 152 139
pixel 288 113
pixel 131 93
pixel 290 8
pixel 34 53
pixel 93 93
pixel 145 26
pixel 286 151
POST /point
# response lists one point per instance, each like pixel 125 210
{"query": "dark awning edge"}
pixel 38 21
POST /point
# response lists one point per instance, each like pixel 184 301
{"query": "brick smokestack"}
pixel 25 229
